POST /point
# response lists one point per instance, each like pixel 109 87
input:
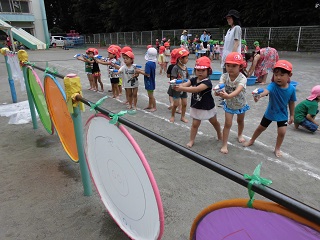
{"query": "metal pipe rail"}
pixel 292 204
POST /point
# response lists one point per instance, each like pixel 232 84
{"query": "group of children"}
pixel 122 72
pixel 281 93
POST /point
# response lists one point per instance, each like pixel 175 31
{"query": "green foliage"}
pixel 126 15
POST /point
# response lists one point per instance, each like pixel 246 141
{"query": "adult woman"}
pixel 232 41
pixel 262 62
pixel 184 39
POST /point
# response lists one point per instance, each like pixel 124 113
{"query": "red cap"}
pixel 234 58
pixel 182 53
pixel 283 64
pixel 149 46
pixel 166 44
pixel 113 51
pixel 126 49
pixel 161 49
pixel 203 63
pixel 129 54
pixel 173 56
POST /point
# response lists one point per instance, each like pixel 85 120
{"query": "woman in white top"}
pixel 232 41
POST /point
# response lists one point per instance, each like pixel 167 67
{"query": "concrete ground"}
pixel 41 194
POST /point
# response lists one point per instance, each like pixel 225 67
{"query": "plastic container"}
pixel 190 71
pixel 215 76
pixel 251 81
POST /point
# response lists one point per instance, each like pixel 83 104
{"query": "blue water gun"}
pixel 113 70
pixel 218 88
pixel 256 93
pixel 177 81
pixel 99 57
pixel 77 55
pixel 136 66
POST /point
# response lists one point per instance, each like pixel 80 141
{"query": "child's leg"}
pixel 255 135
pixel 240 121
pixel 129 95
pixel 152 101
pixel 114 87
pixel 135 97
pixel 263 79
pixel 95 83
pixel 183 110
pixel 90 79
pixel 174 107
pixel 280 138
pixel 215 123
pixel 193 132
pixel 225 132
pixel 120 86
pixel 101 84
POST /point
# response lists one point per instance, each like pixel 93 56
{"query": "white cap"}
pixel 151 54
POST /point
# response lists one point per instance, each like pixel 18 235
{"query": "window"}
pixel 14 6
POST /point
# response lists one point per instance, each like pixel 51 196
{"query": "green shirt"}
pixel 304 108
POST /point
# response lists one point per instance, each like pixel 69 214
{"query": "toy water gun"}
pixel 113 70
pixel 77 55
pixel 81 55
pixel 136 66
pixel 218 88
pixel 174 82
pixel 99 57
pixel 257 92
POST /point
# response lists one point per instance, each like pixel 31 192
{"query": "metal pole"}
pixel 85 176
pixel 151 38
pixel 30 99
pixel 290 203
pixel 298 43
pixel 141 39
pixel 132 38
pixel 269 37
pixel 11 82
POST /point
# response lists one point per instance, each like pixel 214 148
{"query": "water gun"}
pixel 113 70
pixel 77 55
pixel 177 81
pixel 136 66
pixel 99 57
pixel 218 88
pixel 257 92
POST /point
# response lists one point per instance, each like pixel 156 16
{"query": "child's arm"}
pixel 140 71
pixel 263 94
pixel 311 119
pixel 253 65
pixel 186 87
pixel 291 112
pixel 226 95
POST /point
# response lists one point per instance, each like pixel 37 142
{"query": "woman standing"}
pixel 262 62
pixel 232 41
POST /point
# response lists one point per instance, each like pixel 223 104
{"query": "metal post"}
pixel 30 99
pixel 11 82
pixel 141 39
pixel 269 37
pixel 151 38
pixel 85 176
pixel 132 38
pixel 298 43
pixel 117 38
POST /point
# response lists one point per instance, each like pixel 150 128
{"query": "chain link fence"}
pixel 300 39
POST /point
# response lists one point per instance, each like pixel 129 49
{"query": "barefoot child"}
pixel 88 67
pixel 202 103
pixel 114 77
pixel 179 71
pixel 130 79
pixel 306 111
pixel 281 95
pixel 150 77
pixel 234 95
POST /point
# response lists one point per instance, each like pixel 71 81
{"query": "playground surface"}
pixel 41 193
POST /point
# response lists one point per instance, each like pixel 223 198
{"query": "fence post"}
pixel 141 39
pixel 151 37
pixel 174 37
pixel 269 38
pixel 298 43
pixel 4 51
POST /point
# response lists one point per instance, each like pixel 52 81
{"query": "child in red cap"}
pixel 306 111
pixel 202 103
pixel 281 95
pixel 235 102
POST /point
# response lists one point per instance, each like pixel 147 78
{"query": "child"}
pixel 306 111
pixel 88 67
pixel 256 45
pixel 150 77
pixel 180 71
pixel 202 103
pixel 123 51
pixel 173 62
pixel 281 94
pixel 114 77
pixel 166 55
pixel 96 72
pixel 234 95
pixel 130 79
pixel 161 59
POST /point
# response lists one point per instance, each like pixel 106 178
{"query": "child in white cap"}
pixel 306 111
